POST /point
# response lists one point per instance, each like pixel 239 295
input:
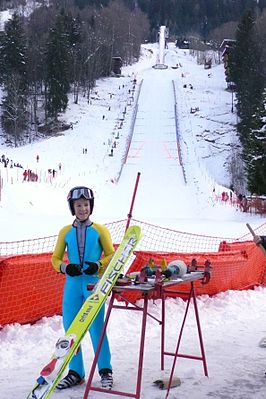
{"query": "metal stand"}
pixel 147 292
pixel 191 296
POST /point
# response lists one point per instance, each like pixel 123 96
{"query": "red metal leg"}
pixel 163 332
pixel 141 348
pixel 177 346
pixel 199 331
pixel 192 294
pixel 135 395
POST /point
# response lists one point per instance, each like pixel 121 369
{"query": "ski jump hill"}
pixel 28 285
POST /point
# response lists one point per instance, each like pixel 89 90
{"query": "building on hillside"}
pixel 116 66
pixel 226 49
pixel 182 43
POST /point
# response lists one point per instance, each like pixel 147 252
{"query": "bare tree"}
pixel 225 31
pixel 14 110
pixel 236 167
pixel 261 31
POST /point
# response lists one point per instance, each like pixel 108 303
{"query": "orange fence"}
pixel 236 269
pixel 254 205
pixel 31 289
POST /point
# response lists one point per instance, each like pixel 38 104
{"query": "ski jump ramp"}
pixel 154 151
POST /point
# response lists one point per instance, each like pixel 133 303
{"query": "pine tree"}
pixel 13 55
pixel 245 70
pixel 75 52
pixel 256 155
pixel 58 68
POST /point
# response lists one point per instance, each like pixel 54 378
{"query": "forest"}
pixel 56 51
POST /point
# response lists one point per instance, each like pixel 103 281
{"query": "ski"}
pixel 68 345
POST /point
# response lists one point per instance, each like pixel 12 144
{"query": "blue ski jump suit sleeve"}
pixel 97 241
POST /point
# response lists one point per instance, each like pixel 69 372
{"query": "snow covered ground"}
pixel 232 322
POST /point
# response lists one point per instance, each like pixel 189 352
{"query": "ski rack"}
pixel 147 291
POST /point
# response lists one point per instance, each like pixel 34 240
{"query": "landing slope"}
pixel 153 151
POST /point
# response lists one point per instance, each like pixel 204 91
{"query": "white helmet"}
pixel 177 267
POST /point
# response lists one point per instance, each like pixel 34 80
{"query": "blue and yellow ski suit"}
pixel 84 241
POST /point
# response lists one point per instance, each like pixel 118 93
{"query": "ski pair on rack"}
pixel 68 345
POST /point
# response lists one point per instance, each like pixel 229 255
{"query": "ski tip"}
pixel 136 228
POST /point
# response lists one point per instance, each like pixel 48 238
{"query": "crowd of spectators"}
pixel 7 162
pixel 28 174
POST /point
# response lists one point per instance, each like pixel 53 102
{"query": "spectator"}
pixel 260 240
pixel 244 204
pixel 25 175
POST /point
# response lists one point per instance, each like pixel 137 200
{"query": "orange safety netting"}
pixel 31 289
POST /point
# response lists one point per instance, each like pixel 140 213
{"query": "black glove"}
pixel 73 270
pixel 167 273
pixel 92 268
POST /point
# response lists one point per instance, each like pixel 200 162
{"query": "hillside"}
pixel 232 322
pixel 205 138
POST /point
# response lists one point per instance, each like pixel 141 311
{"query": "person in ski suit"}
pixel 260 240
pixel 84 241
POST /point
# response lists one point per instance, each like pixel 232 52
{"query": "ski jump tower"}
pixel 160 57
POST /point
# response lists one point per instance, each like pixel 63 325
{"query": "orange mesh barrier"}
pixel 31 289
pixel 237 269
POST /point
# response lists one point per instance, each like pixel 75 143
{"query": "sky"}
pixel 232 322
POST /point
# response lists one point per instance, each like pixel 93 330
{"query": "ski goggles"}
pixel 78 192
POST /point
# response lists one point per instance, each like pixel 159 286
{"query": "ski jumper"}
pixel 84 241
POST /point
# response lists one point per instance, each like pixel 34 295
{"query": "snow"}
pixel 232 322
